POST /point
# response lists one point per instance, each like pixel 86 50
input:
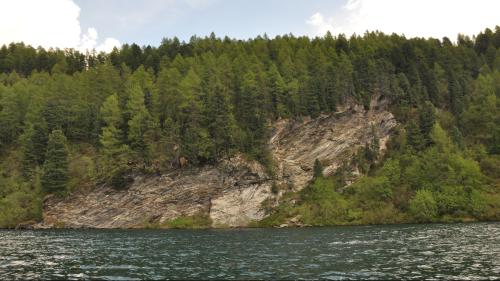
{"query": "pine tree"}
pixel 115 154
pixel 110 111
pixel 441 85
pixel 140 124
pixel 168 95
pixel 277 91
pixel 115 157
pixel 55 167
pixel 195 142
pixel 318 169
pixel 221 123
pixel 343 78
pixel 29 159
pixel 456 96
pixel 414 135
pixel 144 79
pixel 250 117
pixel 318 82
pixel 292 101
pixel 35 140
pixel 495 146
pixel 10 118
pixel 427 119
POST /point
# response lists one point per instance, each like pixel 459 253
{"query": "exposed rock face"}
pixel 232 192
pixel 331 139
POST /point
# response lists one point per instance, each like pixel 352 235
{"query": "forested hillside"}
pixel 70 121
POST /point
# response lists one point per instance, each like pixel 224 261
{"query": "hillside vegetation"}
pixel 70 121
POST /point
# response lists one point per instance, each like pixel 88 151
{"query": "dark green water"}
pixel 453 251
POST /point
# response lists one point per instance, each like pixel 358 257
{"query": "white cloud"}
pixel 414 18
pixel 108 45
pixel 320 25
pixel 52 23
pixel 88 40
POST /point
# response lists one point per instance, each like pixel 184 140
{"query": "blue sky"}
pixel 146 22
pixel 104 24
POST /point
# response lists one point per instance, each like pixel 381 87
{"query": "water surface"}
pixel 433 251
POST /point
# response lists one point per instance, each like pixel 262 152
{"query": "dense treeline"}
pixel 69 120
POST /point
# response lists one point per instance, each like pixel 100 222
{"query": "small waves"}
pixel 437 251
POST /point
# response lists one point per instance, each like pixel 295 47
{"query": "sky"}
pixel 104 24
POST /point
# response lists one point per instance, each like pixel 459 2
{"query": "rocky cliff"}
pixel 230 193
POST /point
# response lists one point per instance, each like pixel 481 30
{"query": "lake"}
pixel 442 251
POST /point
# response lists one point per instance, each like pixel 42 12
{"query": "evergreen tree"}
pixel 441 85
pixel 10 118
pixel 343 78
pixel 311 101
pixel 168 95
pixel 144 79
pixel 495 146
pixel 318 66
pixel 140 124
pixel 115 157
pixel 456 96
pixel 195 143
pixel 427 119
pixel 110 111
pixel 221 123
pixel 414 135
pixel 277 91
pixel 115 154
pixel 55 167
pixel 318 169
pixel 34 147
pixel 249 114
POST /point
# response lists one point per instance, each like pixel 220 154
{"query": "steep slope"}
pixel 230 193
pixel 331 139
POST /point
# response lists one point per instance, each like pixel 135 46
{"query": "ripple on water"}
pixel 455 251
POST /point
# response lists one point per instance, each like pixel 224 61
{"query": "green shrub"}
pixel 423 207
pixel 20 206
pixel 451 199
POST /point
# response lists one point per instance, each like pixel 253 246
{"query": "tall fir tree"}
pixel 277 91
pixel 140 124
pixel 221 122
pixel 34 147
pixel 115 154
pixel 427 118
pixel 195 142
pixel 250 115
pixel 55 167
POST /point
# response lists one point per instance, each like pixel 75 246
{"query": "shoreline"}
pixel 252 227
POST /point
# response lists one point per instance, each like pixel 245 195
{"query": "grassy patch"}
pixel 190 222
pixel 197 221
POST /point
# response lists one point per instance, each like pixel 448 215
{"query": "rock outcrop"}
pixel 332 139
pixel 232 192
